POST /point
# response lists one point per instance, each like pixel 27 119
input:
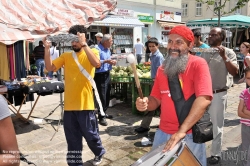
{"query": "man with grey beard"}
pixel 223 66
pixel 192 72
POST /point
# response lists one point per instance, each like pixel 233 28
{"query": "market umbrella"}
pixel 30 19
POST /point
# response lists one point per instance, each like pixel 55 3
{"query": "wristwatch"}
pixel 228 59
pixel 84 45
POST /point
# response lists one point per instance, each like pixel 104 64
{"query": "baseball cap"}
pixel 99 34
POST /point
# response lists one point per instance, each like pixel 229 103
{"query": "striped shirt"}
pixel 245 95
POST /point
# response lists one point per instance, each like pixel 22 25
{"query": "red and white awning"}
pixel 29 19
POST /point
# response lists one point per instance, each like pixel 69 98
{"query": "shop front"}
pixel 123 27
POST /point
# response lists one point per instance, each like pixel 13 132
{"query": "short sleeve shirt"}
pixel 195 80
pixel 221 79
pixel 4 111
pixel 78 94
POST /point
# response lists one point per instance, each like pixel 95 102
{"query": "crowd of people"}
pixel 207 75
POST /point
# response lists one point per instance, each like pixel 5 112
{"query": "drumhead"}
pixel 156 157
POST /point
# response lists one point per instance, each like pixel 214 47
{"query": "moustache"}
pixel 170 51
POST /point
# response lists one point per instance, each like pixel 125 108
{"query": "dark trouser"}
pixel 138 56
pixel 103 84
pixel 147 57
pixel 78 124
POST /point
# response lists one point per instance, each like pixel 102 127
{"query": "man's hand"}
pixel 110 61
pixel 46 43
pixel 174 139
pixel 82 38
pixel 141 104
pixel 222 52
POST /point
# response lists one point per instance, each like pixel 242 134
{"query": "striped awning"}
pixel 169 23
pixel 29 19
pixel 118 21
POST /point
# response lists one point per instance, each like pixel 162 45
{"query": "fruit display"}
pixel 125 74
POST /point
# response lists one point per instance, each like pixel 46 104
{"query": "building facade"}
pixel 155 17
pixel 193 10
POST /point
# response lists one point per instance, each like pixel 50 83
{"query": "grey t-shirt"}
pixel 4 109
pixel 221 79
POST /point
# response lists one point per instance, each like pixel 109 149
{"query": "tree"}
pixel 220 5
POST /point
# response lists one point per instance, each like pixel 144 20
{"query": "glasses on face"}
pixel 212 35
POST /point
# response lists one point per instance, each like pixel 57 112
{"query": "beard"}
pixel 174 66
pixel 76 49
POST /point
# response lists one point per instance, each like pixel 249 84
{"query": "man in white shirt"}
pixel 54 53
pixel 138 50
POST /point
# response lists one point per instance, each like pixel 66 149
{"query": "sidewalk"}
pixel 123 146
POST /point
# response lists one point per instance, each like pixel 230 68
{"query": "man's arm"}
pixel 47 58
pixel 9 153
pixel 231 67
pixel 93 59
pixel 147 103
pixel 198 109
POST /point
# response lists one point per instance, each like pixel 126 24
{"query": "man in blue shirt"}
pixel 197 41
pixel 156 59
pixel 102 76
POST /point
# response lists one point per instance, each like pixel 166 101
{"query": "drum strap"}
pixel 182 106
pixel 88 76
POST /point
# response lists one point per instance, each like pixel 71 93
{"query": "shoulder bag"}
pixel 203 129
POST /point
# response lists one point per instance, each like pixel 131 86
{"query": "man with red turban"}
pixel 193 77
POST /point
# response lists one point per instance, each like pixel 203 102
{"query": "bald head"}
pixel 216 36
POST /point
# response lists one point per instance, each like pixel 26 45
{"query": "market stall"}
pixel 25 20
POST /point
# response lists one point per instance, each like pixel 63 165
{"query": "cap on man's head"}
pixel 99 34
pixel 183 31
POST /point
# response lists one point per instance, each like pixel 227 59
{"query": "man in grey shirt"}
pixel 223 66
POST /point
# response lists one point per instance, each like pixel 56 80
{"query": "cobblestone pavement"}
pixel 123 146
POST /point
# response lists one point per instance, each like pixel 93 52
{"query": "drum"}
pixel 180 155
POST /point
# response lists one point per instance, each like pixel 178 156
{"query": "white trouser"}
pixel 216 111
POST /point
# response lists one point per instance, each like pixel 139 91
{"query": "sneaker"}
pixel 214 160
pixel 97 160
pixel 103 122
pixel 141 130
pixel 109 116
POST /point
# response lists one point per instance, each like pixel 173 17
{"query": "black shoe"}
pixel 109 116
pixel 141 130
pixel 214 160
pixel 103 122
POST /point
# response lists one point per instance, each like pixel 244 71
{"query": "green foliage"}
pixel 217 9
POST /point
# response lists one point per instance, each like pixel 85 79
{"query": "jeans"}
pixel 139 57
pixel 40 67
pixel 58 74
pixel 198 150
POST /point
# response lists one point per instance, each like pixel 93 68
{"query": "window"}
pixel 184 7
pixel 237 11
pixel 198 8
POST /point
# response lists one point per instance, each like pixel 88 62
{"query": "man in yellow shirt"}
pixel 79 115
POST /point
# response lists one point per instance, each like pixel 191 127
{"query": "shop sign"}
pixel 146 19
pixel 124 12
pixel 169 16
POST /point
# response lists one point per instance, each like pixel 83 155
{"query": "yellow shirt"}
pixel 78 94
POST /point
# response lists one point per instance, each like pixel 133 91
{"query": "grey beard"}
pixel 174 66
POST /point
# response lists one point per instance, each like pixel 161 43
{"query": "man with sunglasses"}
pixel 223 66
pixel 79 116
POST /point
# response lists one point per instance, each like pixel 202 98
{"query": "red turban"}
pixel 183 31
